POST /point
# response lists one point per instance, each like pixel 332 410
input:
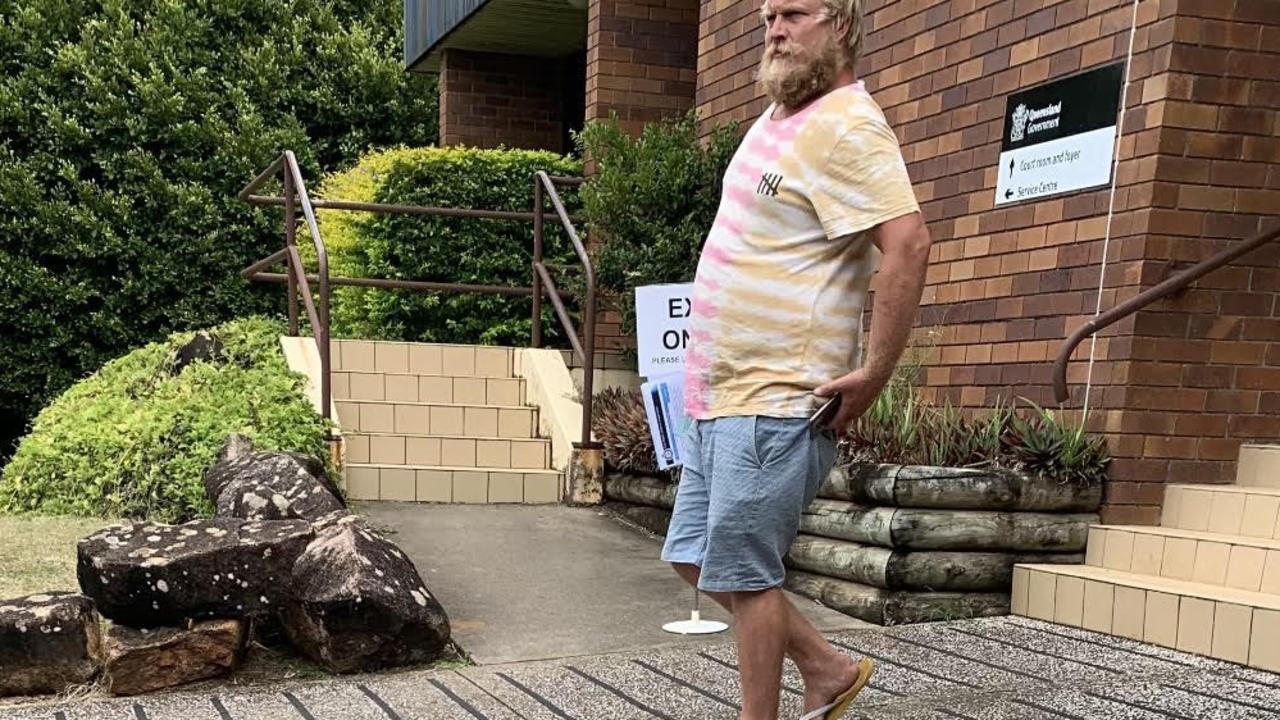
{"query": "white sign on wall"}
pixel 1063 165
pixel 662 322
pixel 1060 137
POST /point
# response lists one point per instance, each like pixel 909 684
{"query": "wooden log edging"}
pixel 972 530
pixel 904 528
pixel 655 520
pixel 640 489
pixel 895 607
pixel 925 570
pixel 920 486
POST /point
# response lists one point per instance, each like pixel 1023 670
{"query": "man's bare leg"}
pixel 826 671
pixel 761 626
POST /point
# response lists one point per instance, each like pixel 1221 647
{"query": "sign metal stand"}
pixel 695 625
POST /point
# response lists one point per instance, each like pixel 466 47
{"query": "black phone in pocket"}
pixel 829 409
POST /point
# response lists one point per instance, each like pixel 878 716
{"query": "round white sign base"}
pixel 695 625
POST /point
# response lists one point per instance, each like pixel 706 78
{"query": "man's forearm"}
pixel 903 271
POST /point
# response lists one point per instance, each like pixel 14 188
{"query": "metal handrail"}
pixel 544 185
pixel 1136 303
pixel 393 209
pixel 298 280
pixel 295 193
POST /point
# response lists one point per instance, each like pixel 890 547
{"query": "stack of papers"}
pixel 664 404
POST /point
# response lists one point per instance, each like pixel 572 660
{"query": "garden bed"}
pixel 894 544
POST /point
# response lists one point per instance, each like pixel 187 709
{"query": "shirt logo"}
pixel 769 183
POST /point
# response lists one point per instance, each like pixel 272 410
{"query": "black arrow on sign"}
pixel 1008 194
pixel 1011 167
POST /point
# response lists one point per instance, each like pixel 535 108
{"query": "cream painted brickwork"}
pixel 1207 580
pixel 443 423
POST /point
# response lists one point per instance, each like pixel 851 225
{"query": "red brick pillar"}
pixel 1203 374
pixel 730 41
pixel 641 66
pixel 641 59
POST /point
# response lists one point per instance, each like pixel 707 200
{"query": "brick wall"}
pixel 1198 169
pixel 488 100
pixel 641 64
pixel 1006 285
pixel 641 59
pixel 730 40
pixel 1204 368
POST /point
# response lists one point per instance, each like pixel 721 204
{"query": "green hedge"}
pixel 132 439
pixel 126 129
pixel 442 249
pixel 652 201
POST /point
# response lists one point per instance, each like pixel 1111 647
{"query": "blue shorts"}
pixel 745 483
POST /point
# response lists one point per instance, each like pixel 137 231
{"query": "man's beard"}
pixel 793 79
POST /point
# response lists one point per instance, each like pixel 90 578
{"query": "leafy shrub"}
pixel 900 427
pixel 442 249
pixel 652 201
pixel 132 439
pixel 126 129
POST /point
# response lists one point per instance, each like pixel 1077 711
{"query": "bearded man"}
pixel 814 199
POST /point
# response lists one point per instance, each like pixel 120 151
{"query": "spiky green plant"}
pixel 1040 443
pixel 619 423
pixel 902 428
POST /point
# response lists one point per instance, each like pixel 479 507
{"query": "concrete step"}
pixel 1223 509
pixel 1259 466
pixel 1235 625
pixel 1231 561
pixel 446 484
pixel 481 452
pixel 422 358
pixel 417 387
pixel 439 419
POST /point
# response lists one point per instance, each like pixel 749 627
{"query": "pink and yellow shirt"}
pixel 781 285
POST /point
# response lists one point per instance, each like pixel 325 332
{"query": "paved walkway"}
pixel 562 609
pixel 996 669
pixel 548 581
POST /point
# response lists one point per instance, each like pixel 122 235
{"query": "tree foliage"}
pixel 126 129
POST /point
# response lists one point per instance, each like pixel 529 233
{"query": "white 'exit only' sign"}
pixel 662 327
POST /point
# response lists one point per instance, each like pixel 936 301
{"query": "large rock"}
pixel 263 485
pixel 202 348
pixel 337 517
pixel 47 642
pixel 138 661
pixel 359 604
pixel 149 575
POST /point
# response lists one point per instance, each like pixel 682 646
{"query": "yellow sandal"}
pixel 837 707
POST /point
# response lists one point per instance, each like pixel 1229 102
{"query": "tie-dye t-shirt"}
pixel 782 282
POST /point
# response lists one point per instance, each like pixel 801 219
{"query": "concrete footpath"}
pixel 562 608
pixel 548 581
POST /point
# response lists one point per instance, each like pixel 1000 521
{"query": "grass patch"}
pixel 39 553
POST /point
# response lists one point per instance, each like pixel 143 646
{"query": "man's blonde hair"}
pixel 847 13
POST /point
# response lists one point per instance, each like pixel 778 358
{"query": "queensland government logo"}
pixel 1020 117
pixel 1029 122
